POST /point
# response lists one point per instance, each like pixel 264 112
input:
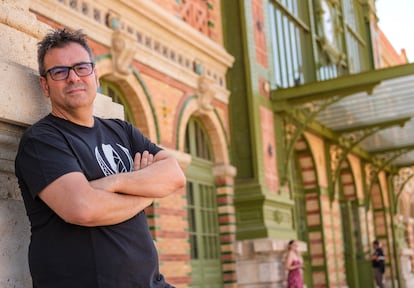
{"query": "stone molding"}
pixel 163 42
pixel 224 170
pixel 16 14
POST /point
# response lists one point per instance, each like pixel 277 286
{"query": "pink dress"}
pixel 294 279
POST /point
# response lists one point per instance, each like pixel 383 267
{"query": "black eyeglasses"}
pixel 82 69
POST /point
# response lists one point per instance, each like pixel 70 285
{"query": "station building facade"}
pixel 250 97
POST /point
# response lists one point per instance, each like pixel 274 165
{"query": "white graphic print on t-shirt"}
pixel 112 162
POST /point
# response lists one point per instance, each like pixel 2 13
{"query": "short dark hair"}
pixel 375 242
pixel 60 38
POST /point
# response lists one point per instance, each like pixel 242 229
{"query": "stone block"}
pixel 14 241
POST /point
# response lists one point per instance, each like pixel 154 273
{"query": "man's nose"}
pixel 72 76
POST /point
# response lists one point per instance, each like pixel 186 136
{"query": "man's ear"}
pixel 44 86
pixel 97 79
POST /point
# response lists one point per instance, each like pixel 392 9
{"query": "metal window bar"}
pixel 286 27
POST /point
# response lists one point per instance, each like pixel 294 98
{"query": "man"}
pixel 85 181
pixel 378 263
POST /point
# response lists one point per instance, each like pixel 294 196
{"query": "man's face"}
pixel 75 93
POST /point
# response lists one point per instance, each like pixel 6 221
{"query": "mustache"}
pixel 73 87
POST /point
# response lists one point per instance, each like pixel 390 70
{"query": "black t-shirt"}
pixel 65 255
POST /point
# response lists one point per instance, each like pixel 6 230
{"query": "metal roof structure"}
pixel 390 100
pixel 374 108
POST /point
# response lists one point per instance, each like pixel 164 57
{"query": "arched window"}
pixel 196 141
pixel 202 209
pixel 112 90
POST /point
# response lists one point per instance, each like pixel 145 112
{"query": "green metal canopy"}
pixel 352 103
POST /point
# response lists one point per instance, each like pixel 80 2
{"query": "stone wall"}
pixel 22 103
pixel 14 226
pixel 260 262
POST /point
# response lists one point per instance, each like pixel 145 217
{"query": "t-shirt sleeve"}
pixel 42 158
pixel 140 143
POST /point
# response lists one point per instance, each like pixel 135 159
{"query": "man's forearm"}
pixel 76 201
pixel 157 180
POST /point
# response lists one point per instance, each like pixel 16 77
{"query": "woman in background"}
pixel 293 265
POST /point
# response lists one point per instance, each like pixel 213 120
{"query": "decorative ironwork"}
pixel 370 174
pixel 401 178
pixel 336 154
pixel 290 129
pixel 400 182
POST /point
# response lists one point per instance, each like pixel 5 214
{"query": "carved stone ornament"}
pixel 205 93
pixel 123 51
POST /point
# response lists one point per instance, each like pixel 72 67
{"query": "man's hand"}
pixel 153 176
pixel 142 161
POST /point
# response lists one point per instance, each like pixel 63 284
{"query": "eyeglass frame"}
pixel 68 68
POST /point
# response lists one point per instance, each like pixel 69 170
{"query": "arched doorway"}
pixel 304 190
pixel 357 266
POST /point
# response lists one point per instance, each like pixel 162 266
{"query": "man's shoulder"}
pixel 112 121
pixel 42 125
pixel 115 124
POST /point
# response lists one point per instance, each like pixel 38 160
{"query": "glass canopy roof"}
pixel 380 100
pixel 390 100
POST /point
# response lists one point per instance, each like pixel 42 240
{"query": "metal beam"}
pixel 382 151
pixel 351 137
pixel 383 124
pixel 346 85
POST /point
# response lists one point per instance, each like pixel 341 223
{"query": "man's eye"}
pixel 82 68
pixel 59 72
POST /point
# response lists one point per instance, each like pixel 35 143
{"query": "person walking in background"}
pixel 294 266
pixel 85 181
pixel 378 263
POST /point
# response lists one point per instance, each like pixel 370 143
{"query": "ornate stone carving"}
pixel 205 93
pixel 123 51
pixel 282 216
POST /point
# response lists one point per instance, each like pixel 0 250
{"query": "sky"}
pixel 396 20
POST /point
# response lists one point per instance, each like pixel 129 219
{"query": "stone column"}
pixel 224 180
pixel 21 103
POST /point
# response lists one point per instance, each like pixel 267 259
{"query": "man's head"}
pixel 58 39
pixel 67 74
pixel 376 243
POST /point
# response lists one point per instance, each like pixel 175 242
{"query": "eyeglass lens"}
pixel 62 72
